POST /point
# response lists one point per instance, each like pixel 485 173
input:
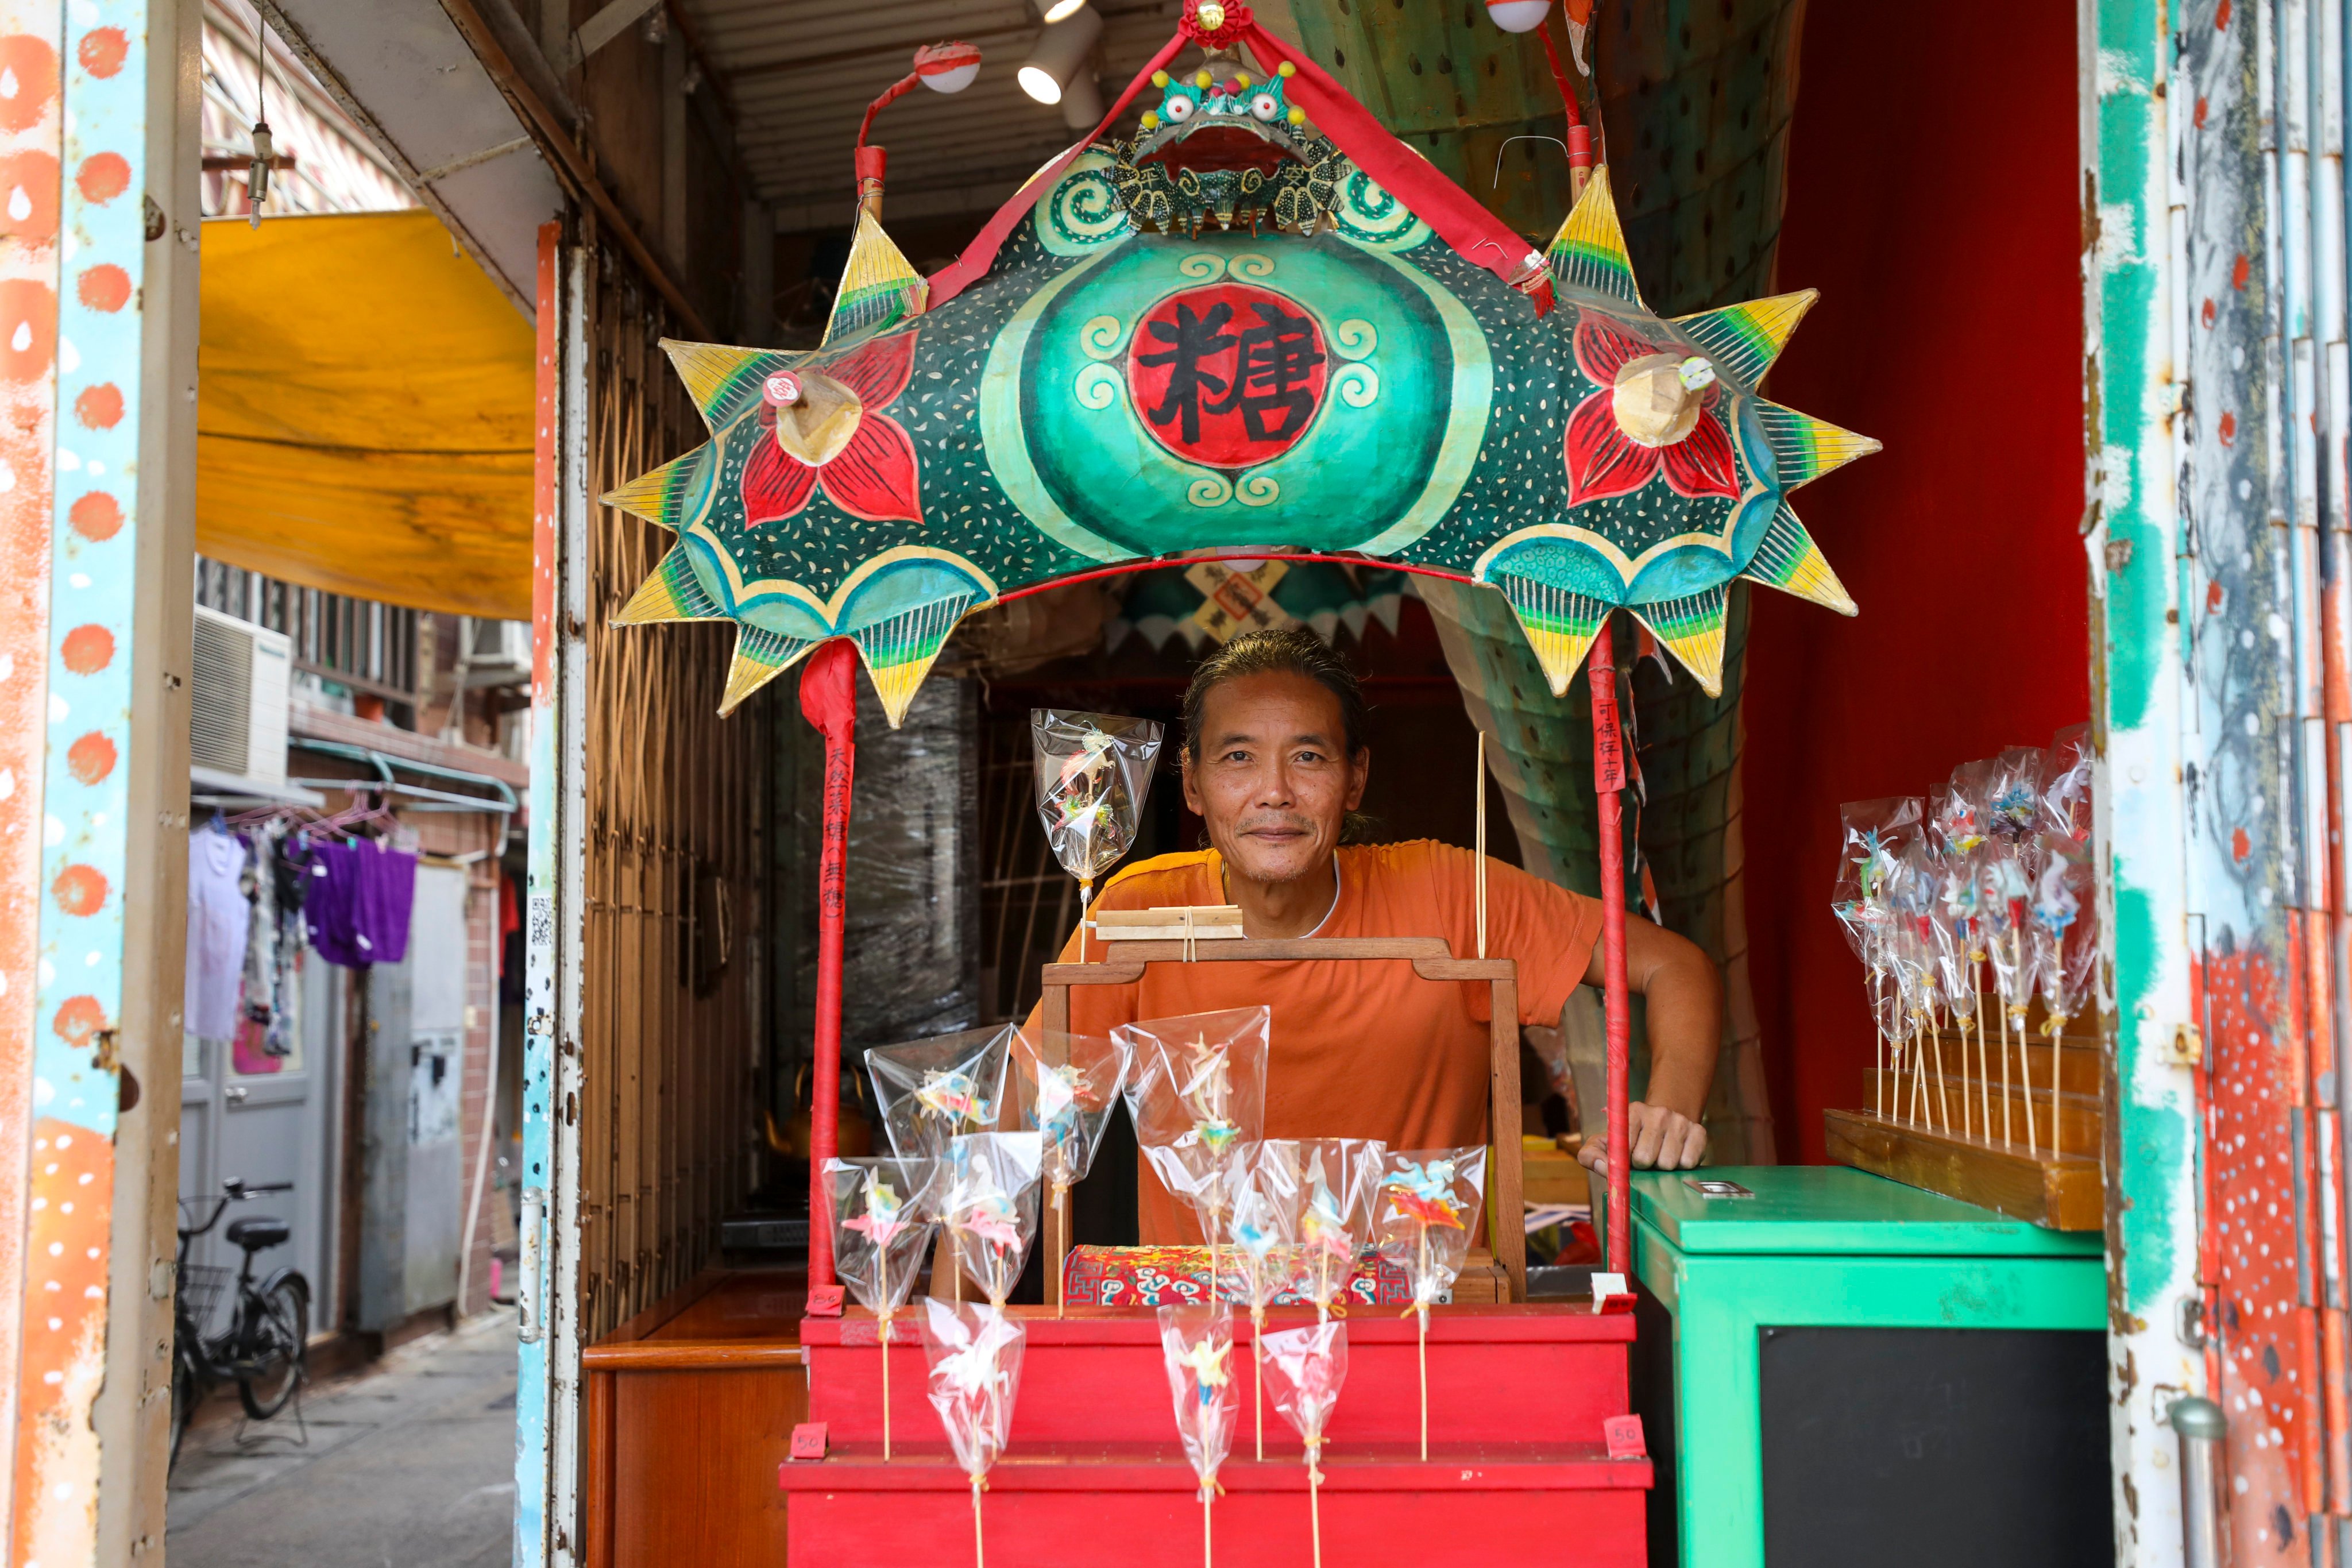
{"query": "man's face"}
pixel 1274 781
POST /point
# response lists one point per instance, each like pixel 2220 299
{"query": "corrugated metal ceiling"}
pixel 800 72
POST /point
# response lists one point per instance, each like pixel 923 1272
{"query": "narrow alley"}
pixel 409 1465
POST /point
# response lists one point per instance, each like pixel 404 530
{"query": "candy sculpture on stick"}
pixel 1429 1203
pixel 2066 949
pixel 2066 784
pixel 991 1207
pixel 1338 1181
pixel 1196 1344
pixel 1093 771
pixel 1307 1367
pixel 1911 896
pixel 1197 1092
pixel 932 1091
pixel 1065 1085
pixel 2013 801
pixel 882 1218
pixel 1875 834
pixel 1265 1258
pixel 975 1354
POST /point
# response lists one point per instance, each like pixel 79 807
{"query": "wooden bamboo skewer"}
pixel 1481 865
pixel 2057 1127
pixel 2025 1055
pixel 1984 1067
pixel 2008 1134
pixel 1936 1046
pixel 1883 1061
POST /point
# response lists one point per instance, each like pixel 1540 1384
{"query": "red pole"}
pixel 1608 782
pixel 829 701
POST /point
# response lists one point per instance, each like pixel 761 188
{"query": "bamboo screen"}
pixel 671 1015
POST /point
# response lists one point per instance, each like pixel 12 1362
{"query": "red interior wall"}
pixel 1936 207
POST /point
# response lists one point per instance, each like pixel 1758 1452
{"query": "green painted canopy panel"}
pixel 1333 380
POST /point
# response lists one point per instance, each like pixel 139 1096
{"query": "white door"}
pixel 437 1019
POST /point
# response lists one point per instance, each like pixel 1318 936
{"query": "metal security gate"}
pixel 642 1011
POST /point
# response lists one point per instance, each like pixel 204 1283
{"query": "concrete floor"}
pixel 410 1465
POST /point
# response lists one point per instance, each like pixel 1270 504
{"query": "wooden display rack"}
pixel 1963 1137
pixel 1521 1396
pixel 1431 959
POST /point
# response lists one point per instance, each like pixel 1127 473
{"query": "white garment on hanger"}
pixel 218 920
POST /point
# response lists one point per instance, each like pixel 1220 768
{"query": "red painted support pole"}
pixel 829 701
pixel 1608 784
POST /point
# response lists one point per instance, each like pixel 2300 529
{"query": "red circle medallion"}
pixel 1228 375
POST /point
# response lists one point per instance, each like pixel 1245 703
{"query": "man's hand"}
pixel 1664 1140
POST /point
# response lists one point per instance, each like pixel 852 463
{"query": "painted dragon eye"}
pixel 1264 107
pixel 1178 106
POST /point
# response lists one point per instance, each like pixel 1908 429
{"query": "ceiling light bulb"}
pixel 948 68
pixel 1062 10
pixel 1061 52
pixel 1518 15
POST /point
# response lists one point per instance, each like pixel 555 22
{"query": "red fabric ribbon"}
pixel 978 256
pixel 1475 234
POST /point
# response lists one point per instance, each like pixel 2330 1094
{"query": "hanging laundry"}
pixel 358 903
pixel 219 919
pixel 511 948
pixel 260 888
pixel 290 872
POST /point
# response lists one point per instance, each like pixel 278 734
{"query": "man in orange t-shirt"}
pixel 1273 762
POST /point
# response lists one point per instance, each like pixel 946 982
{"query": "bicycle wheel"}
pixel 276 1337
pixel 185 1394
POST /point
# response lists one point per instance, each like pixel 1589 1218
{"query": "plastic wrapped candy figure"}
pixel 1958 893
pixel 1093 771
pixel 1065 1086
pixel 1196 1344
pixel 1911 895
pixel 1196 1089
pixel 1875 832
pixel 2066 784
pixel 990 1209
pixel 884 1212
pixel 2011 863
pixel 1428 1207
pixel 2065 923
pixel 975 1354
pixel 932 1091
pixel 1337 1181
pixel 1306 1367
pixel 1265 1258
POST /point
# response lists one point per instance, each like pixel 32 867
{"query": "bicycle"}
pixel 266 1345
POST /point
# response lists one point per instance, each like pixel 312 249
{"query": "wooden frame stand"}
pixel 1431 958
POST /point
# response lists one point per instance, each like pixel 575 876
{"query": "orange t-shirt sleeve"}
pixel 1551 931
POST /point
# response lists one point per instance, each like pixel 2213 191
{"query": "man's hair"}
pixel 1287 650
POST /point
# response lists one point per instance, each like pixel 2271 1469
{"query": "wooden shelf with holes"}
pixel 2008 1129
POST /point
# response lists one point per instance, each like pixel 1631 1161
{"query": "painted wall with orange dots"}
pixel 71 263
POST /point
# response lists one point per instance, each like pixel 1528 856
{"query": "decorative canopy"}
pixel 1225 338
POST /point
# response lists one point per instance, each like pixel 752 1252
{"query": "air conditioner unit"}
pixel 498 653
pixel 236 720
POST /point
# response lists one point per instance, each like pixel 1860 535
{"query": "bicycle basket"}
pixel 202 1287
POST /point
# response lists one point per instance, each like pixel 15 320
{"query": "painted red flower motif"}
pixel 874 476
pixel 1603 461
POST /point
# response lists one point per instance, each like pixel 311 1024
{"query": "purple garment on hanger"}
pixel 361 896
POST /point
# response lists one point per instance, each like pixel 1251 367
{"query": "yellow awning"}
pixel 364 398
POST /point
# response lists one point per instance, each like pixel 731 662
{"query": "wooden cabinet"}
pixel 690 1409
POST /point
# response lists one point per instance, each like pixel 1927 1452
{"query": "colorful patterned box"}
pixel 1174 1276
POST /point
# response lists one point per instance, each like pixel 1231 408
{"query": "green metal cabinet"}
pixel 1814 1247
